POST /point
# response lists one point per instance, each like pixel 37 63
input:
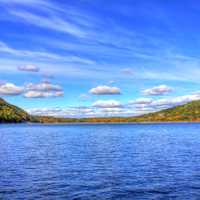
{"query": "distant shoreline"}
pixel 187 113
pixel 110 123
pixel 105 123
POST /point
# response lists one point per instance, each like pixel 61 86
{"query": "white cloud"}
pixel 63 112
pixel 112 111
pixel 29 68
pixel 175 101
pixel 43 86
pixel 10 89
pixel 159 104
pixel 107 104
pixel 43 90
pixel 141 101
pixel 40 90
pixel 83 112
pixel 42 94
pixel 158 90
pixel 47 112
pixel 105 90
pixel 108 108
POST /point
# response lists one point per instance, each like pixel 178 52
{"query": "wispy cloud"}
pixel 52 16
pixel 4 48
pixel 27 2
pixel 29 68
pixel 51 22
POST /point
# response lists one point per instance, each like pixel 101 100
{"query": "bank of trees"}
pixel 188 112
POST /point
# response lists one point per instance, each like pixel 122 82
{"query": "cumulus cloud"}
pixel 80 112
pixel 63 112
pixel 108 108
pixel 113 111
pixel 40 90
pixel 89 111
pixel 44 86
pixel 176 100
pixel 43 90
pixel 158 90
pixel 29 68
pixel 164 103
pixel 107 104
pixel 105 90
pixel 42 94
pixel 10 89
pixel 141 101
pixel 47 112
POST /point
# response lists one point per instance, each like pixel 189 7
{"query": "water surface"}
pixel 100 162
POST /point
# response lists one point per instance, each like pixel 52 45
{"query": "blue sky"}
pixel 91 58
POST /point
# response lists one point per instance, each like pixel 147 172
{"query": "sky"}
pixel 91 58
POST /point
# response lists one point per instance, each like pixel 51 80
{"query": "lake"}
pixel 100 162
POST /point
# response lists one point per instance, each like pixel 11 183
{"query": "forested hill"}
pixel 12 114
pixel 183 113
pixel 188 112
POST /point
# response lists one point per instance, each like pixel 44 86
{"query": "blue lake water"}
pixel 100 162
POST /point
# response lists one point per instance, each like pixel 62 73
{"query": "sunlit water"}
pixel 100 162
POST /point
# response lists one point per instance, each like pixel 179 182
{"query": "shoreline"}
pixel 105 123
pixel 115 123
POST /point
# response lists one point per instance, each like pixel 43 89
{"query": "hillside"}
pixel 187 112
pixel 12 114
